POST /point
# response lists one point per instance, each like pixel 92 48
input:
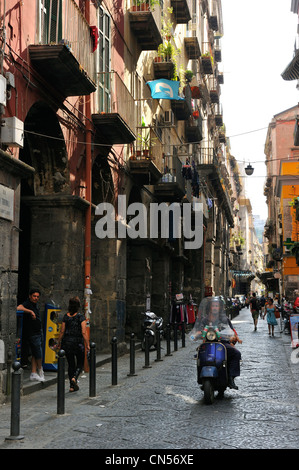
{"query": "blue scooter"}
pixel 212 365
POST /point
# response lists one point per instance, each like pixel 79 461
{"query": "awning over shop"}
pixel 269 279
pixel 266 276
pixel 292 70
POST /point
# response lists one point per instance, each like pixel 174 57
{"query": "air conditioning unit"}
pixel 12 132
pixel 169 117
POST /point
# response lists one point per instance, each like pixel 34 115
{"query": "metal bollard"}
pixel 61 382
pixel 158 346
pixel 8 375
pixel 183 334
pixel 147 348
pixel 114 360
pixel 132 356
pixel 175 336
pixel 168 340
pixel 92 370
pixel 15 403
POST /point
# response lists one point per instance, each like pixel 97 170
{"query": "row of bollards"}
pixel 16 374
pixel 147 348
pixel 61 377
pixel 16 389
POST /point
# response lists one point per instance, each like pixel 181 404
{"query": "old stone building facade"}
pixel 282 190
pixel 81 129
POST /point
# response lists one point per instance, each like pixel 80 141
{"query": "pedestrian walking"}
pixel 34 334
pixel 72 339
pixel 271 319
pixel 262 305
pixel 296 301
pixel 254 308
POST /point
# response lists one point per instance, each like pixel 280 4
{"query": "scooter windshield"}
pixel 211 313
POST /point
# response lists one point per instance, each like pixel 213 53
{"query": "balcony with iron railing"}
pixel 164 67
pixel 218 115
pixel 217 51
pixel 220 77
pixel 145 21
pixel 183 108
pixel 214 89
pixel 191 40
pixel 207 59
pixel 181 10
pixel 213 16
pixel 64 53
pixel 208 164
pixel 171 188
pixel 193 127
pixel 142 166
pixel 115 121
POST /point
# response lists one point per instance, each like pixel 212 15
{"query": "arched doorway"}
pixel 51 219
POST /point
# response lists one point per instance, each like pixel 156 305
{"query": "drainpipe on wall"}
pixel 88 172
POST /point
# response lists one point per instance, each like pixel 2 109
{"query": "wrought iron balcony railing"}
pixel 64 51
pixel 116 116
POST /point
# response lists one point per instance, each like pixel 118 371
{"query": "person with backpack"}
pixel 262 305
pixel 72 339
pixel 254 308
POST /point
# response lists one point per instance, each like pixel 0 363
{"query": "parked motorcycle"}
pixel 211 329
pixel 152 326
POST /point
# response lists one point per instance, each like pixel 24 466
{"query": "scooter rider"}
pixel 211 311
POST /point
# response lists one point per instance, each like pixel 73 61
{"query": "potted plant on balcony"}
pixel 167 52
pixel 136 5
pixel 161 56
pixel 189 75
pixel 195 92
pixel 146 142
pixel 144 5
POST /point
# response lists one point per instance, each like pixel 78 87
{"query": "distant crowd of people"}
pixel 262 307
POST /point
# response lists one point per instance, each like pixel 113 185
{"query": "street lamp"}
pixel 249 170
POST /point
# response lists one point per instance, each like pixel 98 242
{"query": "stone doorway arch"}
pixel 52 220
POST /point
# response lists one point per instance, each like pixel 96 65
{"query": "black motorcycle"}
pixel 285 312
pixel 152 326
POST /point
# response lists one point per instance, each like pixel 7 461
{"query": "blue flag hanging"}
pixel 165 89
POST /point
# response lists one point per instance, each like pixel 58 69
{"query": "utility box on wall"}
pixel 12 132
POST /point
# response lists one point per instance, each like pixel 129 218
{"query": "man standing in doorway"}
pixel 32 320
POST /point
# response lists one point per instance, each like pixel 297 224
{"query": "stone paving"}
pixel 162 406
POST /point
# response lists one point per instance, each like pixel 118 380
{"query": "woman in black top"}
pixel 72 338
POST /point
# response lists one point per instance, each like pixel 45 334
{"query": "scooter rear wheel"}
pixel 208 391
pixel 150 343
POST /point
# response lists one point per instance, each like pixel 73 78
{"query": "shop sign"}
pixel 6 203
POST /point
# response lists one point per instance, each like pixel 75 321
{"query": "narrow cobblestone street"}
pixel 162 406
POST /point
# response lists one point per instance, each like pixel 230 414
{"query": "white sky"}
pixel 257 46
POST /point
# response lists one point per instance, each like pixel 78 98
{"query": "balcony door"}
pixel 50 21
pixel 104 61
